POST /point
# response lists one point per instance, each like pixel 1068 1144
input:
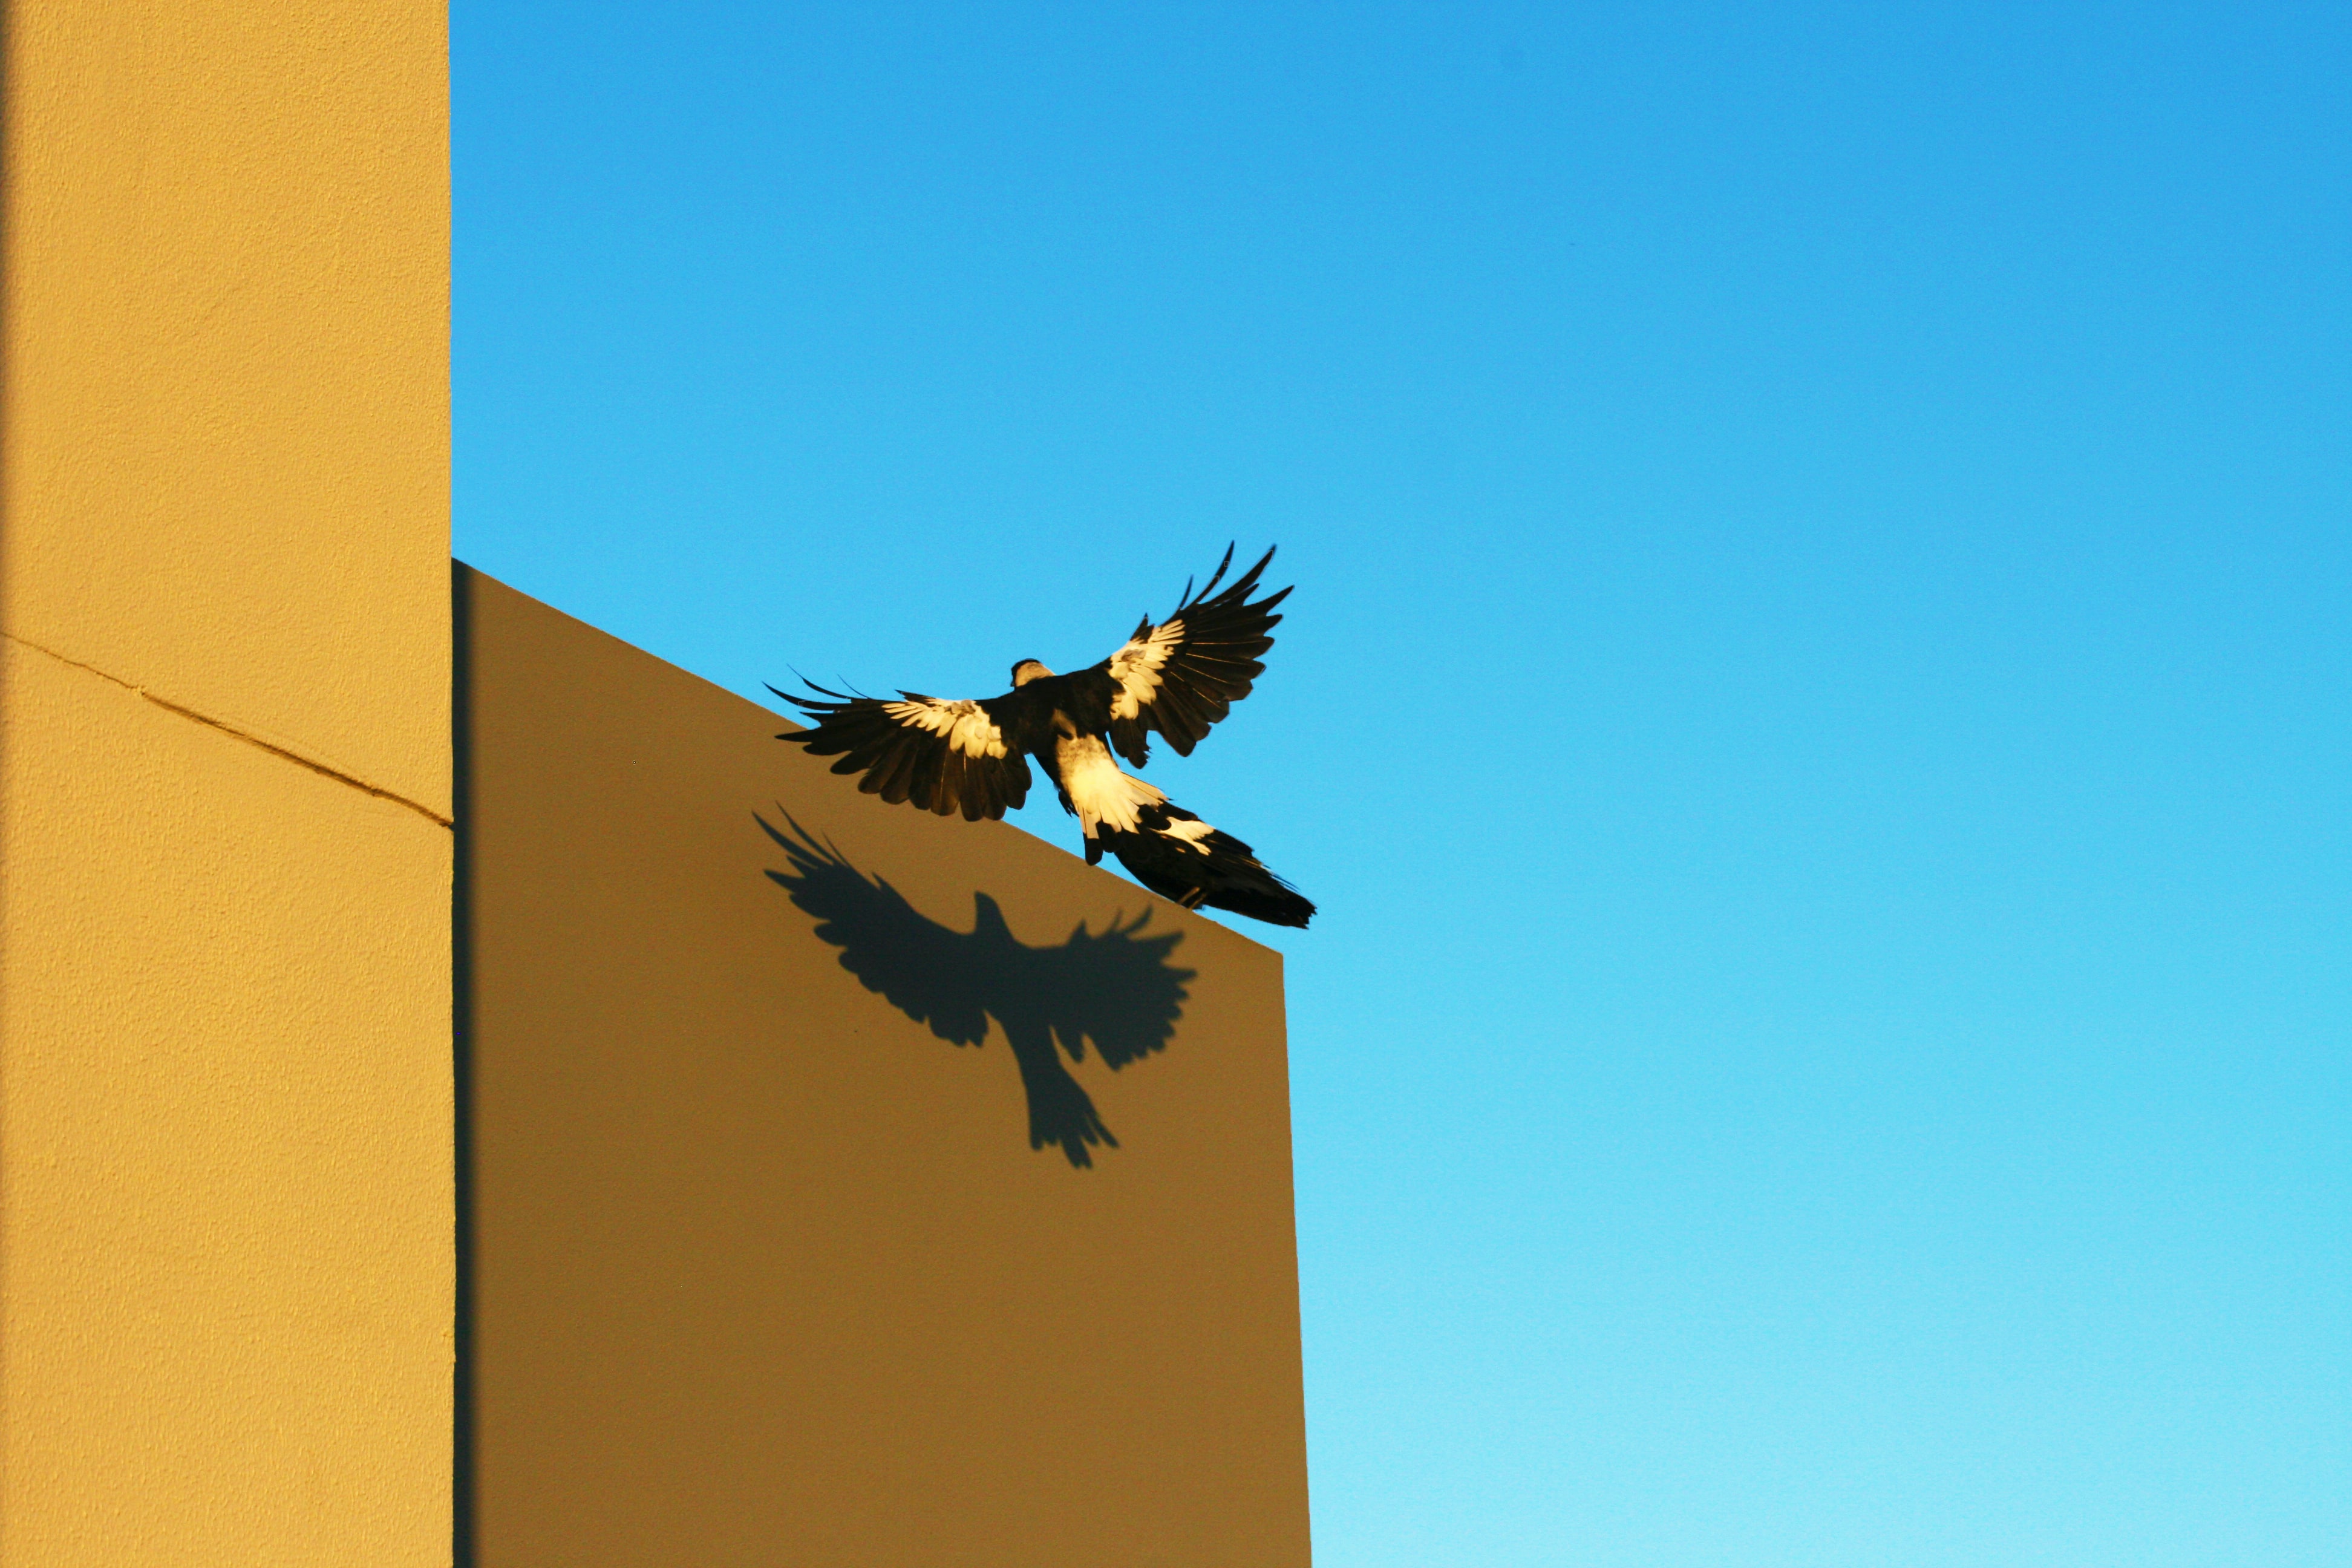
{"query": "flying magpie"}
pixel 1178 678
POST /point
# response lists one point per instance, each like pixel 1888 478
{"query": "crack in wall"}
pixel 297 758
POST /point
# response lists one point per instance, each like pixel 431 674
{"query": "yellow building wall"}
pixel 851 1187
pixel 225 1148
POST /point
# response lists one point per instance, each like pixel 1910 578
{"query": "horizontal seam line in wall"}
pixel 297 758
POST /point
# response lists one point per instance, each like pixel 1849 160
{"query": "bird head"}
pixel 1027 671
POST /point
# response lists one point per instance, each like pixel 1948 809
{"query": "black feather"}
pixel 1218 870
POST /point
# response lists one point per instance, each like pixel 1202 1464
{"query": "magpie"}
pixel 1178 678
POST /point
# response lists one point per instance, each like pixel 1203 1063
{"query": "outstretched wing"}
pixel 1186 673
pixel 944 756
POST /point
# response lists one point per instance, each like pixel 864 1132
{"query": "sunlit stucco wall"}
pixel 226 1254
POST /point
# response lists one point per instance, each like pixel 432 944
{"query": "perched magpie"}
pixel 1179 678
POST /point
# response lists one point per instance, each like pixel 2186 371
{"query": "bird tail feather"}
pixel 1179 857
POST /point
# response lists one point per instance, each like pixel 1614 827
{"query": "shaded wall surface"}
pixel 847 1186
pixel 225 1148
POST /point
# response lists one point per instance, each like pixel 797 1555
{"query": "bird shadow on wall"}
pixel 1115 987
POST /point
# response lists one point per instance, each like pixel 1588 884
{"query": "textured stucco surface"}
pixel 226 1257
pixel 226 466
pixel 767 1270
pixel 225 1101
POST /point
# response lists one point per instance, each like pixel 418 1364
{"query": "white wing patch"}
pixel 1137 667
pixel 966 725
pixel 1188 832
pixel 1103 794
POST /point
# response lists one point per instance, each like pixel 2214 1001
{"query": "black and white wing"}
pixel 944 756
pixel 1186 673
pixel 1180 857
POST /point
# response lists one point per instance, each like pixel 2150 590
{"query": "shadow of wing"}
pixel 928 971
pixel 1116 989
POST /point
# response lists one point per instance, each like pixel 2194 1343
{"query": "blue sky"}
pixel 1816 706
